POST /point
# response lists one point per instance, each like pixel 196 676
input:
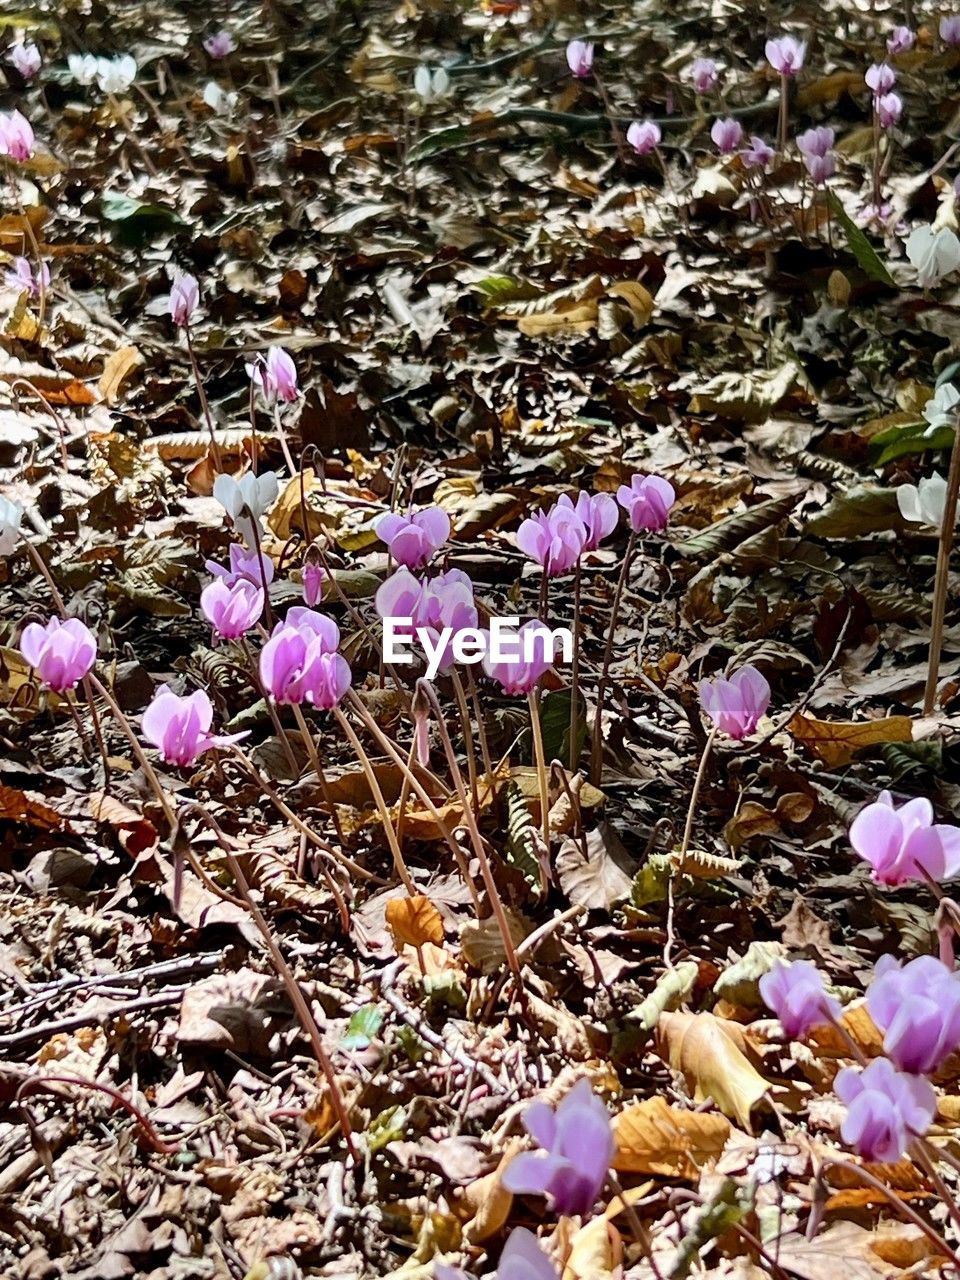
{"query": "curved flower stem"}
pixel 204 403
pixel 374 785
pixel 467 736
pixel 784 114
pixel 482 735
pixel 676 864
pixel 54 414
pixel 284 444
pixel 34 1083
pixel 947 530
pixel 925 1154
pixel 540 762
pixel 596 745
pixel 35 246
pixel 575 672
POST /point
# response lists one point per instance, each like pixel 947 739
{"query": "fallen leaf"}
pixel 654 1137
pixel 118 368
pixel 414 921
pixel 836 742
pixel 710 1054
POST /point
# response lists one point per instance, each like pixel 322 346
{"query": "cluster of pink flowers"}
pixel 300 662
pixel 816 147
pixel 433 604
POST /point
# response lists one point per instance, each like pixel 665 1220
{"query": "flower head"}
pixel 644 136
pixel 555 539
pixel 759 153
pixel 330 679
pixel 231 609
pixel 820 168
pixel 247 500
pixel 917 1006
pixel 290 662
pixel 180 727
pixel 924 503
pixel 413 539
pixel 903 844
pixel 785 54
pixel 220 44
pixel 796 994
pixel 184 298
pixel 432 605
pixel 736 705
pixel 61 653
pixel 580 57
pixel 431 85
pixel 245 566
pixel 727 135
pixel 535 650
pixel 22 276
pixel 889 109
pixel 886 1110
pixel 275 375
pixel 900 40
pixel 314 576
pixel 705 75
pixel 880 78
pixel 934 253
pixel 647 501
pixel 578 1147
pixel 26 59
pixel 116 75
pixel 597 513
pixel 816 142
pixel 16 136
pixel 83 67
pixel 11 513
pixel 950 29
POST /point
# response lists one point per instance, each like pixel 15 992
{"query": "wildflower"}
pixel 647 501
pixel 26 59
pixel 904 844
pixel 580 57
pixel 727 135
pixel 231 609
pixel 16 136
pixel 521 1259
pixel 251 496
pixel 816 142
pixel 413 539
pixel 785 54
pixel 924 503
pixel 312 623
pixel 61 653
pixel 184 298
pixel 933 253
pixel 180 727
pixel 330 679
pixel 22 276
pixel 736 705
pixel 578 1147
pixel 116 75
pixel 314 576
pixel 796 994
pixel 900 40
pixel 886 1110
pixel 889 109
pixel 759 153
pixel 521 675
pixel 880 78
pixel 438 608
pixel 275 375
pixel 939 410
pixel 704 75
pixel 83 67
pixel 917 1006
pixel 644 136
pixel 820 168
pixel 554 539
pixel 10 516
pixel 431 85
pixel 219 100
pixel 597 513
pixel 950 29
pixel 245 566
pixel 220 44
pixel 290 662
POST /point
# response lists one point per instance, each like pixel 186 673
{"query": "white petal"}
pixel 908 500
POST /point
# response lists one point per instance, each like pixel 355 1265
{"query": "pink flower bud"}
pixel 220 44
pixel 554 539
pixel 16 137
pixel 184 299
pixel 727 135
pixel 644 136
pixel 313 579
pixel 647 501
pixel 889 109
pixel 180 727
pixel 61 653
pixel 413 539
pixel 900 40
pixel 705 75
pixel 231 609
pixel 785 54
pixel 580 57
pixel 735 705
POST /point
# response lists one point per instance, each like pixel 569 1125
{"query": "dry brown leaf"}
pixel 654 1137
pixel 853 1252
pixel 836 742
pixel 486 1203
pixel 414 921
pixel 118 368
pixel 596 1252
pixel 638 299
pixel 134 832
pixel 858 1025
pixel 17 806
pixel 710 1053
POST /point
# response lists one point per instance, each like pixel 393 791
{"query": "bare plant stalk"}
pixel 204 403
pixel 947 530
pixel 311 745
pixel 540 763
pixel 284 444
pixel 467 736
pixel 685 840
pixel 482 735
pixel 596 746
pixel 784 113
pixel 575 672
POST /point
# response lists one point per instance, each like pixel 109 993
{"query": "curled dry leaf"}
pixel 836 742
pixel 414 921
pixel 596 1252
pixel 710 1054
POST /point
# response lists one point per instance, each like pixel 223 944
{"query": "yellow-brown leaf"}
pixel 653 1137
pixel 414 921
pixel 836 742
pixel 710 1054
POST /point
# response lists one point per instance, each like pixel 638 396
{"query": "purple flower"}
pixel 902 844
pixel 820 168
pixel 900 40
pixel 647 501
pixel 796 995
pixel 889 108
pixel 180 727
pixel 520 675
pixel 245 566
pixel 644 136
pixel 431 605
pixel 220 44
pixel 705 75
pixel 22 276
pixel 413 539
pixel 580 57
pixel 275 375
pixel 555 539
pixel 597 512
pixel 785 54
pixel 231 609
pixel 184 299
pixel 735 705
pixel 880 78
pixel 16 136
pixel 578 1146
pixel 816 142
pixel 330 678
pixel 61 653
pixel 917 1006
pixel 290 662
pixel 26 59
pixel 759 153
pixel 727 135
pixel 886 1110
pixel 950 29
pixel 314 576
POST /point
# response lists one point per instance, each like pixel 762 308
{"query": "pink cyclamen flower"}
pixel 290 668
pixel 577 1147
pixel 704 75
pixel 900 40
pixel 220 44
pixel 785 54
pixel 580 57
pixel 553 538
pixel 917 1006
pixel 432 605
pixel 61 653
pixel 597 513
pixel 647 501
pixel 245 566
pixel 816 142
pixel 880 78
pixel 520 675
pixel 22 276
pixel 314 576
pixel 820 168
pixel 231 609
pixel 889 109
pixel 179 728
pixel 759 153
pixel 950 29
pixel 886 1110
pixel 644 136
pixel 796 994
pixel 736 705
pixel 904 844
pixel 330 679
pixel 413 539
pixel 16 136
pixel 184 298
pixel 727 135
pixel 26 59
pixel 275 375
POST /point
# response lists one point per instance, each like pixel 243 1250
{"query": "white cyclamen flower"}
pixel 940 410
pixel 431 85
pixel 934 254
pixel 10 516
pixel 218 99
pixel 116 75
pixel 83 67
pixel 924 504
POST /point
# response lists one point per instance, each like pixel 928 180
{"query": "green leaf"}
pixel 497 291
pixel 363 1027
pixel 136 222
pixel 555 724
pixel 858 244
pixel 905 439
